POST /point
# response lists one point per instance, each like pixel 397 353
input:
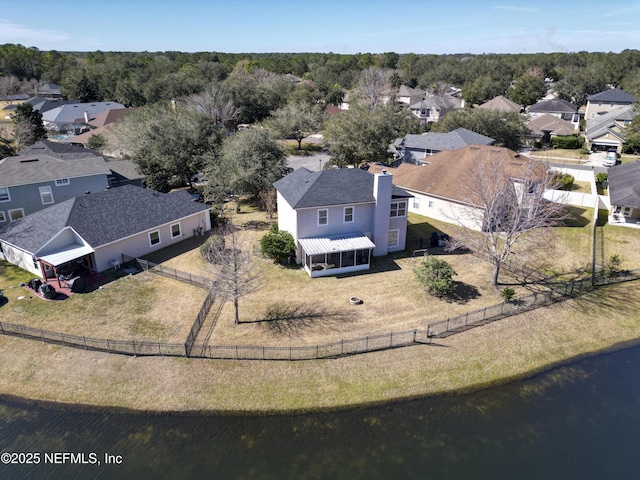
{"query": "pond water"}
pixel 576 422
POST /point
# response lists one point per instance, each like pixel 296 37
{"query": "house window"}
pixel 323 216
pixel 430 204
pixel 599 104
pixel 393 238
pixel 154 238
pixel 175 230
pixel 4 194
pixel 3 217
pixel 416 202
pixel 45 195
pixel 625 211
pixel 399 209
pixel 16 214
pixel 348 214
pixel 60 182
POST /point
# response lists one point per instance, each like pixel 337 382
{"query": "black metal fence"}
pixel 342 348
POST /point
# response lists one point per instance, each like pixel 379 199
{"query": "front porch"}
pixel 624 216
pixel 336 254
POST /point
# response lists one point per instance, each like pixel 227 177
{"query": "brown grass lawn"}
pixel 149 307
pixel 142 307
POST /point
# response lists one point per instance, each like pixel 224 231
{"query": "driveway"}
pixel 313 162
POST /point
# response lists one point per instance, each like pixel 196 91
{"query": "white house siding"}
pixel 138 245
pixel 287 217
pixel 400 224
pixel 19 258
pixel 444 210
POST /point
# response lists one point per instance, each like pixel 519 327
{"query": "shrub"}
pixel 601 177
pixel 277 244
pixel 613 264
pixel 563 181
pixel 508 294
pixel 572 142
pixel 436 275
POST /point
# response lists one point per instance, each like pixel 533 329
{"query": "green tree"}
pixel 6 149
pixel 28 126
pixel 166 142
pixel 436 275
pixel 361 135
pixel 277 244
pixel 296 120
pixel 506 128
pixel 481 89
pixel 528 89
pixel 248 163
pixel 96 142
pixel 632 133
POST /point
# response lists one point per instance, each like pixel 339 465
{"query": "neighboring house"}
pixel 624 193
pixel 603 102
pixel 101 124
pixel 94 231
pixel 416 148
pixel 50 91
pixel 47 173
pixel 557 107
pixel 501 104
pixel 340 218
pixel 433 108
pixel 73 119
pixel 606 131
pixel 39 104
pixel 544 127
pixel 438 188
pixel 409 96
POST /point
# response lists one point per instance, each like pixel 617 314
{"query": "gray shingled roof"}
pixel 304 188
pixel 612 95
pixel 454 140
pixel 555 105
pixel 75 111
pixel 624 184
pixel 101 218
pixel 45 161
pixel 605 123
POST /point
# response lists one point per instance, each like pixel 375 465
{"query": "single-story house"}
pixel 438 185
pixel 416 148
pixel 603 102
pixel 340 218
pixel 94 231
pixel 606 131
pixel 544 127
pixel 624 193
pixel 47 173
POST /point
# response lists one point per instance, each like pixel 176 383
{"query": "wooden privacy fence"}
pixel 372 343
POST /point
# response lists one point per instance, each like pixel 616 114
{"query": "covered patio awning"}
pixel 336 243
pixel 66 254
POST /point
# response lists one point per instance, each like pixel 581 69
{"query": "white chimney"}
pixel 87 117
pixel 382 189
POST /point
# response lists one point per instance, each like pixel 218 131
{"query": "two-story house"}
pixel 558 108
pixel 47 173
pixel 340 218
pixel 604 102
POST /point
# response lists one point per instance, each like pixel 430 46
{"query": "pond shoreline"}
pixel 468 390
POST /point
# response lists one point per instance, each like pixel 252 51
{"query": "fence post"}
pixel 290 357
pixel 62 336
pixel 186 350
pixel 447 324
pixel 108 346
pixel 317 352
pixel 414 335
pixel 263 352
pixel 391 340
pixel 84 340
pixel 342 347
pixel 133 342
pixel 42 336
pixel 21 331
pixel 160 350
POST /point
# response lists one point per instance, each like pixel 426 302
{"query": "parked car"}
pixel 610 159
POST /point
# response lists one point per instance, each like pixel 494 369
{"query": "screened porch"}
pixel 335 254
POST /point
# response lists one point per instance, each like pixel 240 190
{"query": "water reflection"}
pixel 576 422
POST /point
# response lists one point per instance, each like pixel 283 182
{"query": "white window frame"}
pixel 395 208
pixel 416 202
pixel 46 190
pixel 8 199
pixel 325 217
pixel 352 214
pixel 174 235
pixel 397 235
pixel 62 182
pixel 10 212
pixel 3 216
pixel 151 244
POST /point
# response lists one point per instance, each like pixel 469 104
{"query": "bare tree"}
pixel 9 86
pixel 506 208
pixel 218 105
pixel 231 262
pixel 375 86
pixel 269 201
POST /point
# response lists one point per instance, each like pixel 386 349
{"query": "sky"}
pixel 338 26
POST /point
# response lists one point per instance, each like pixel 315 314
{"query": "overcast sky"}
pixel 339 26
